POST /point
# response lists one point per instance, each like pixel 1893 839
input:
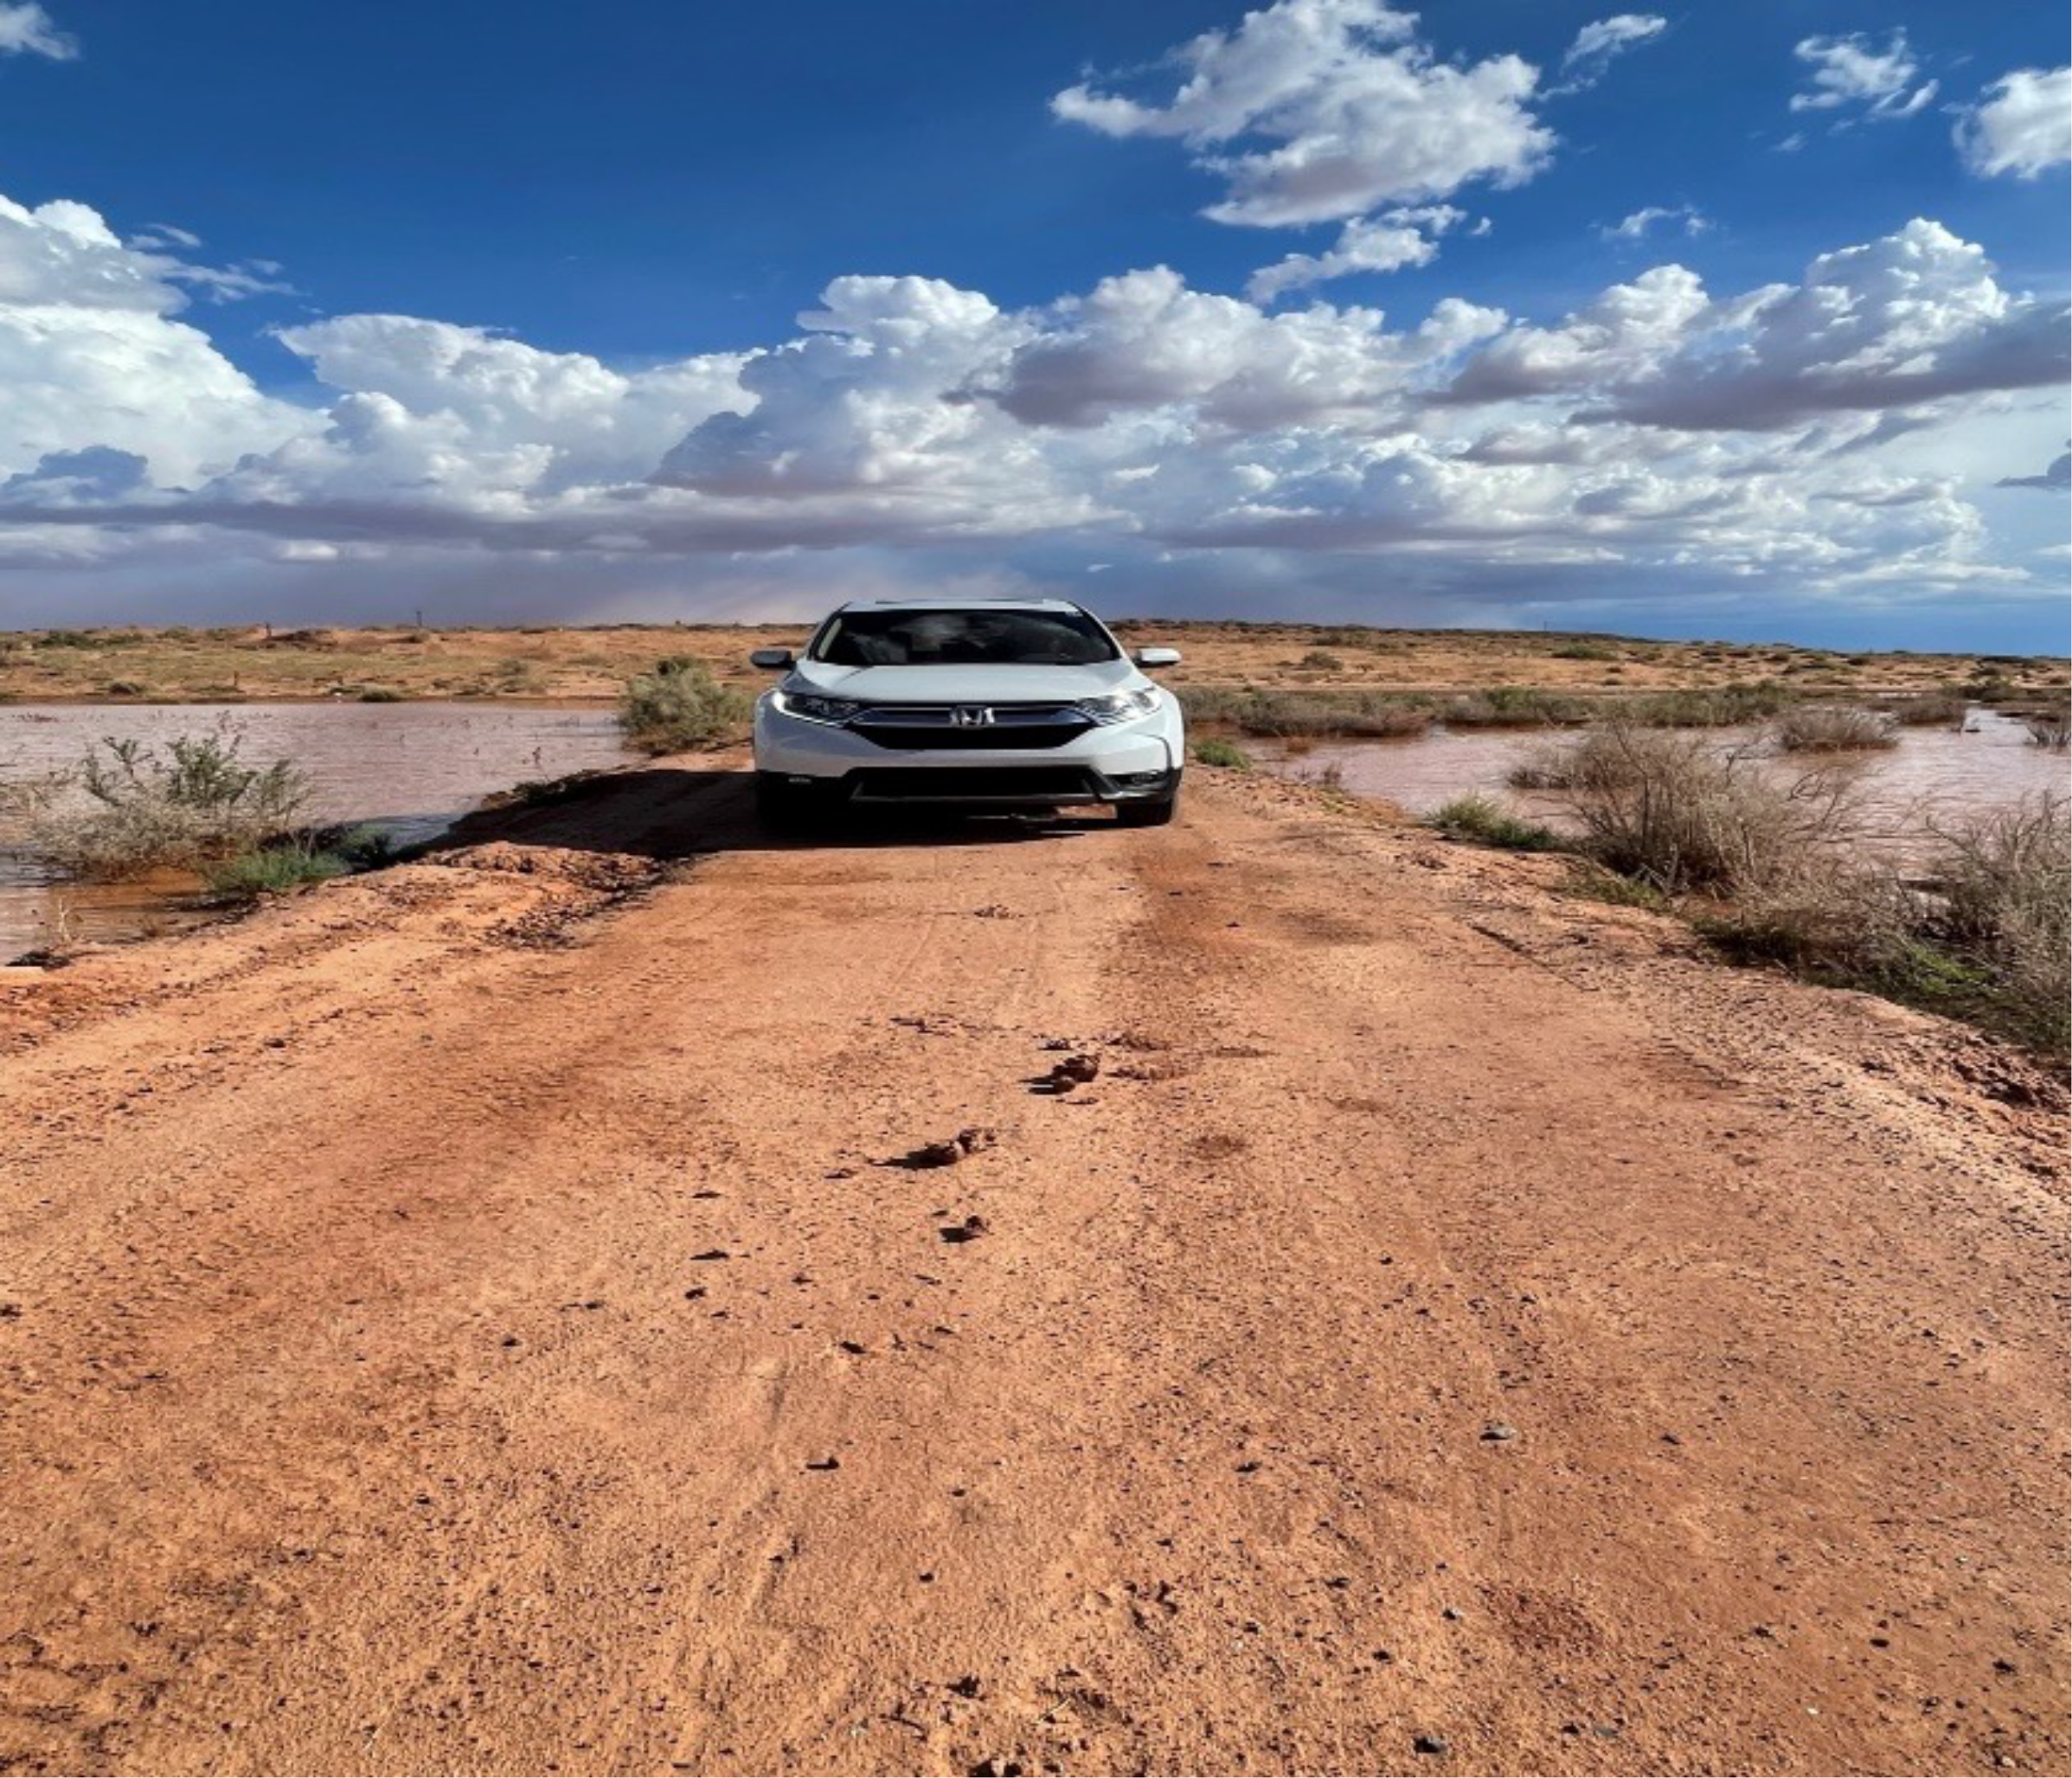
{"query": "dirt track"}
pixel 475 1318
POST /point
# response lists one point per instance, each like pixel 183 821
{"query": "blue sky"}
pixel 587 241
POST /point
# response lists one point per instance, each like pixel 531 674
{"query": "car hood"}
pixel 966 684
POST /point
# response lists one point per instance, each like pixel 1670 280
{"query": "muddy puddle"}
pixel 1934 773
pixel 411 769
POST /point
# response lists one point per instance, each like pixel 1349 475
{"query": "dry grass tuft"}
pixel 1817 729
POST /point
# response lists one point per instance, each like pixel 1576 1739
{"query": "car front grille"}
pixel 964 728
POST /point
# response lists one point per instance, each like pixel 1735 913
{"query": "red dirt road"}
pixel 476 1317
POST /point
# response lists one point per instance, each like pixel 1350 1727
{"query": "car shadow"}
pixel 669 812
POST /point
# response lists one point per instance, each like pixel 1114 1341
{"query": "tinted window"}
pixel 921 638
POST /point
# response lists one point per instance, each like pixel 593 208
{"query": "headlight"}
pixel 815 709
pixel 1122 707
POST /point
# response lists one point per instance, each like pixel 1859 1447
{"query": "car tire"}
pixel 1152 812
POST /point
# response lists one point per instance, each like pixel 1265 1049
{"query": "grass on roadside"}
pixel 1486 822
pixel 1215 750
pixel 1777 869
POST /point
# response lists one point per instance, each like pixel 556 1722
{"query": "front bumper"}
pixel 1119 764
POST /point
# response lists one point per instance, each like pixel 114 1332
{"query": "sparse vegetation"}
pixel 1487 822
pixel 1833 729
pixel 1684 815
pixel 2053 732
pixel 272 869
pixel 1593 883
pixel 2006 881
pixel 1584 650
pixel 1597 760
pixel 1516 707
pixel 1775 870
pixel 1929 709
pixel 128 808
pixel 1289 714
pixel 680 706
pixel 1215 750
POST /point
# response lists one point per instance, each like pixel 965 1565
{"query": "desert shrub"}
pixel 125 688
pixel 380 694
pixel 2050 731
pixel 1833 729
pixel 1487 822
pixel 679 706
pixel 88 639
pixel 1583 651
pixel 1992 688
pixel 2006 876
pixel 1515 707
pixel 1678 814
pixel 130 808
pixel 1928 710
pixel 1709 707
pixel 1319 660
pixel 1989 939
pixel 1597 760
pixel 1216 751
pixel 1287 714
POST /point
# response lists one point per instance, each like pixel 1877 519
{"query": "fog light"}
pixel 1138 781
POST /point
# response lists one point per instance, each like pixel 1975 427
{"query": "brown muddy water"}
pixel 1933 774
pixel 411 769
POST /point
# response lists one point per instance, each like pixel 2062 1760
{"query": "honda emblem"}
pixel 971 715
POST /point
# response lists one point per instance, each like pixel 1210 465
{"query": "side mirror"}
pixel 1158 657
pixel 774 660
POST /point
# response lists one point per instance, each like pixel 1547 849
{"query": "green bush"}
pixel 1487 822
pixel 1216 751
pixel 680 706
pixel 267 870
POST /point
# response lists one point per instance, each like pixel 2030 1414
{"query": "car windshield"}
pixel 1009 636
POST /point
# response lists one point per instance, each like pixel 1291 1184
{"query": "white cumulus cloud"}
pixel 1349 109
pixel 910 431
pixel 1917 317
pixel 2022 124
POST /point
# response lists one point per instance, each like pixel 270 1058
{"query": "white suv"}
pixel 1025 703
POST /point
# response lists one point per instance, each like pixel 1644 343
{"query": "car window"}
pixel 1008 638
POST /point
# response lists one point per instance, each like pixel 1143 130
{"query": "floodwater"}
pixel 1933 774
pixel 411 769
